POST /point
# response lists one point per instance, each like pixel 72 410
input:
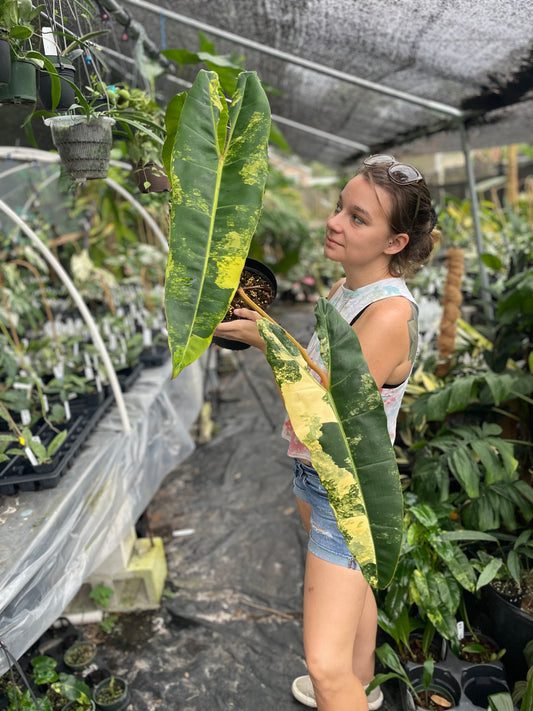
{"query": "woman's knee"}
pixel 327 672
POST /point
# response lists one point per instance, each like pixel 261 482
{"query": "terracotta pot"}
pixel 151 178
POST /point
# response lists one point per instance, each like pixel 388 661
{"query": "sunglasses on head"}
pixel 399 173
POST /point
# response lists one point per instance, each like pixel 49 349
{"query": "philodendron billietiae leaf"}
pixel 345 429
pixel 217 168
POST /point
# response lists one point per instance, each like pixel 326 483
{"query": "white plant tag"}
pixel 31 456
pixel 25 417
pixel 59 370
pixel 89 373
pixel 98 384
pixel 147 336
pixel 66 405
pixel 75 348
pixel 460 630
pixel 36 438
pixel 46 406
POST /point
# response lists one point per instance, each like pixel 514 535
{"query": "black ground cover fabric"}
pixel 229 631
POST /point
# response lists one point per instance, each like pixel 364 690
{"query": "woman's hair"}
pixel 412 213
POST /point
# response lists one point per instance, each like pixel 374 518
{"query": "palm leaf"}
pixel 218 170
pixel 345 430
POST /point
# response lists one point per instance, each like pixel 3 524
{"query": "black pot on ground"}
pixel 111 694
pixel 261 286
pixel 67 96
pixel 22 86
pixel 443 685
pixel 510 626
pixel 5 62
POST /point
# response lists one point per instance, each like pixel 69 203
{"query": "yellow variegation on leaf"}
pixel 345 429
pixel 217 163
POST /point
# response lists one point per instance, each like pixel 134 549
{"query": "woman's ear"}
pixel 397 242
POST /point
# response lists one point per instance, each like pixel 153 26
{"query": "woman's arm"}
pixel 243 329
pixel 388 336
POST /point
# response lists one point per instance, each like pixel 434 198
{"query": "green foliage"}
pixel 44 670
pixel 101 595
pixel 218 174
pixel 73 689
pixel 344 426
pixel 23 701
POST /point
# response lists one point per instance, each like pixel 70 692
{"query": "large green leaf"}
pixel 345 430
pixel 219 166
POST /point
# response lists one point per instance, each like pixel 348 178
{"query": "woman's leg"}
pixel 334 603
pixel 364 650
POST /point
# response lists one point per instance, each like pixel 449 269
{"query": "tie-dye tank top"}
pixel 349 304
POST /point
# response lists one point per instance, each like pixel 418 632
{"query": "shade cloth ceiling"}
pixel 474 57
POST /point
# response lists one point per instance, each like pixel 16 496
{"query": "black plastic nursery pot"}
pixel 443 685
pixel 83 146
pixel 80 655
pixel 510 626
pixel 22 85
pixel 111 694
pixel 259 281
pixel 5 62
pixel 67 96
pixel 480 682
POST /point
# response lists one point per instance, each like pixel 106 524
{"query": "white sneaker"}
pixel 302 690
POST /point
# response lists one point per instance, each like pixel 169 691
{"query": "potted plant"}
pixel 423 686
pixel 111 694
pixel 142 149
pixel 80 655
pixel 215 206
pixel 18 19
pixel 76 693
pixel 260 285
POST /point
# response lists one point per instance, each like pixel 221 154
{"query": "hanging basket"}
pixel 151 177
pixel 67 96
pixel 83 146
pixel 22 86
pixel 5 62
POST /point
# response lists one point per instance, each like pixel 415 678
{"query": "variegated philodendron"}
pixel 345 429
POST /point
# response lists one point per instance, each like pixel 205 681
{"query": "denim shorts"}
pixel 325 539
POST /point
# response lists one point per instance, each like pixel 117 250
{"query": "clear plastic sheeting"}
pixel 51 540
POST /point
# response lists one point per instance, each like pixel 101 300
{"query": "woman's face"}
pixel 358 231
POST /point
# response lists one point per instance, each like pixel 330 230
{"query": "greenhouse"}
pixel 357 178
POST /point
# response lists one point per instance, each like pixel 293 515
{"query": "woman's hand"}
pixel 243 329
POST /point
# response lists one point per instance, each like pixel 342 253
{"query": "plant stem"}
pixel 321 374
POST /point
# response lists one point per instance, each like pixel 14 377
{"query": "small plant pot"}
pixel 260 284
pixel 84 147
pixel 151 178
pixel 442 685
pixel 75 706
pixel 22 86
pixel 5 62
pixel 67 96
pixel 480 682
pixel 111 694
pixel 80 655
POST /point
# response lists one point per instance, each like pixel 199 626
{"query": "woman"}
pixel 381 231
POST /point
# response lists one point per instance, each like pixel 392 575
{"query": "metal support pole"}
pixel 478 236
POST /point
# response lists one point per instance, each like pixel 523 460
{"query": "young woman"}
pixel 381 231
